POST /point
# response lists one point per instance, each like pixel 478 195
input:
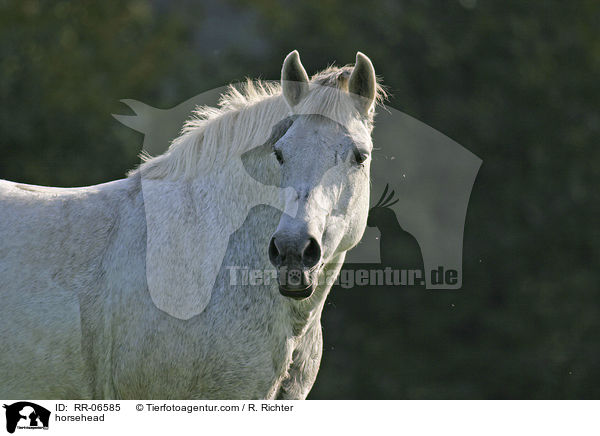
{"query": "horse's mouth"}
pixel 295 293
pixel 297 283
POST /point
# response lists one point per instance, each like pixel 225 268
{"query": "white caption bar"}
pixel 302 417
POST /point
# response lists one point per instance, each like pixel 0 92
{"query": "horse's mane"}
pixel 244 118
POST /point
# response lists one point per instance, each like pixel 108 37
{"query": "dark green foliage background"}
pixel 517 83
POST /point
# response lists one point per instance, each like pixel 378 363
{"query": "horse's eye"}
pixel 360 157
pixel 278 155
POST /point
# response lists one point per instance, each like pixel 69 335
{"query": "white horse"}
pixel 111 291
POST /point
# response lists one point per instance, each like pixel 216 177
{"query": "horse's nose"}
pixel 286 249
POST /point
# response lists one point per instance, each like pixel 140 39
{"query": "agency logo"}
pixel 24 415
pixel 421 179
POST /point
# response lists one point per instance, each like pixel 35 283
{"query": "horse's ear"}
pixel 294 80
pixel 363 82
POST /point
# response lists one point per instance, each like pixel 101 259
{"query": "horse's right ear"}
pixel 363 83
pixel 294 80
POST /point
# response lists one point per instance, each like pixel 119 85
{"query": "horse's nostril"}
pixel 274 256
pixel 294 251
pixel 312 253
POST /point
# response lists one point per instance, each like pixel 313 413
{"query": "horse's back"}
pixel 51 236
pixel 51 246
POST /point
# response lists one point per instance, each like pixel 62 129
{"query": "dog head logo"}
pixel 26 415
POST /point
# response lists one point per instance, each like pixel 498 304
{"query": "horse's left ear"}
pixel 294 80
pixel 363 82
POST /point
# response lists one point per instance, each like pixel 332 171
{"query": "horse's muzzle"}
pixel 296 257
pixel 296 294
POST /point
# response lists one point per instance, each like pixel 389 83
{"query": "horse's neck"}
pixel 232 217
